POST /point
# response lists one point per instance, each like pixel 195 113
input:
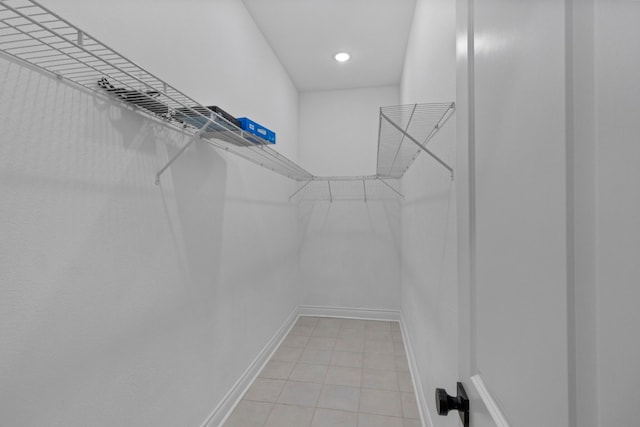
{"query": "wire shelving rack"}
pixel 36 35
pixel 405 131
pixel 341 188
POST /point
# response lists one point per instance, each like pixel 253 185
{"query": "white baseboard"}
pixel 233 397
pixel 423 409
pixel 349 312
pixel 489 401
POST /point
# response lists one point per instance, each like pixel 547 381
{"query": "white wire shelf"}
pixel 36 35
pixel 33 34
pixel 404 131
pixel 343 188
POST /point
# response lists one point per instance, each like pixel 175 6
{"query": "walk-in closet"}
pixel 337 213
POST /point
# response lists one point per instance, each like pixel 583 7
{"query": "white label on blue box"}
pixel 257 129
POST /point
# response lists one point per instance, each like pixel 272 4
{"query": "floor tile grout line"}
pixel 273 405
pixel 316 401
pixel 313 414
pixel 309 333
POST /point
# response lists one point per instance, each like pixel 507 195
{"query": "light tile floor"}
pixel 331 372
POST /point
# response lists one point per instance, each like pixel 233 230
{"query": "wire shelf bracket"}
pixel 300 189
pixel 415 141
pixel 36 36
pixel 193 139
pixel 390 187
pixel 404 131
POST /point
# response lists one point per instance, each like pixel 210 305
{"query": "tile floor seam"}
pixel 313 414
pixel 273 405
pixel 372 340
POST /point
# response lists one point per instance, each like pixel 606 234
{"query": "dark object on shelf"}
pixel 460 403
pixel 228 117
pixel 145 100
pixel 258 130
pixel 198 116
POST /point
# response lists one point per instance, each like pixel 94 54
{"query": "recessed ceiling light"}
pixel 342 57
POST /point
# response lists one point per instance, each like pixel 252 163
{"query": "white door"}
pixel 512 211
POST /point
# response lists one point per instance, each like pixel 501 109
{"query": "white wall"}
pixel 350 254
pixel 349 249
pixel 618 207
pixel 429 247
pixel 339 130
pixel 430 63
pixel 125 303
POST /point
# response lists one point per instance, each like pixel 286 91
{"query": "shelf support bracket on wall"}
pixel 300 189
pixel 443 120
pixel 392 189
pixel 193 139
pixel 421 146
pixel 395 157
pixel 364 189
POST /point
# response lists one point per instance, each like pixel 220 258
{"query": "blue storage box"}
pixel 257 129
